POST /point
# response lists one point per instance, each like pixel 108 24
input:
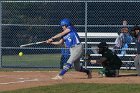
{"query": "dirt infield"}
pixel 26 79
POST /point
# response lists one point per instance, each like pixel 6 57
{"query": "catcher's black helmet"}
pixel 102 45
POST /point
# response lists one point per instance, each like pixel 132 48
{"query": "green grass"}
pixel 82 88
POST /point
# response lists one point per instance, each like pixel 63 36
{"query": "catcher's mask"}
pixel 134 31
pixel 102 47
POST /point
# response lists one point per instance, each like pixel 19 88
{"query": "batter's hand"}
pixel 50 40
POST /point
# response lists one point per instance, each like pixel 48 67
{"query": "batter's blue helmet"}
pixel 65 22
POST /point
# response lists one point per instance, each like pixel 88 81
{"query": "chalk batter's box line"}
pixel 19 80
pixel 22 81
pixel 15 77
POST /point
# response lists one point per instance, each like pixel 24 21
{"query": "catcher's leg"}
pixel 102 72
pixel 110 72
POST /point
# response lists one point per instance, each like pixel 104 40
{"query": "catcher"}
pixel 110 61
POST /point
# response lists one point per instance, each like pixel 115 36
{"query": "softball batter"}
pixel 71 39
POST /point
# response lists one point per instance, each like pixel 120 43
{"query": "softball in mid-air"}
pixel 20 54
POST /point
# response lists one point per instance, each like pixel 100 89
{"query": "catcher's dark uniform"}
pixel 109 60
pixel 111 64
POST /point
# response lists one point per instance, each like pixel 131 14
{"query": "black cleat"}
pixel 89 73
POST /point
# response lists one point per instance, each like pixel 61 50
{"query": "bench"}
pixel 98 35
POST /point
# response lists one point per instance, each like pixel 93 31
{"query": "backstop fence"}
pixel 24 22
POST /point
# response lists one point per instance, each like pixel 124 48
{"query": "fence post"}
pixel 85 32
pixel 0 33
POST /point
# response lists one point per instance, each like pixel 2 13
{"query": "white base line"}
pixel 31 80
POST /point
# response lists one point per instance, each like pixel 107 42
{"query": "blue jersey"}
pixel 72 38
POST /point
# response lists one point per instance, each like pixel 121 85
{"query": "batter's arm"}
pixel 58 35
pixel 61 34
pixel 61 41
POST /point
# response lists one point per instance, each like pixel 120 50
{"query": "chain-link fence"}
pixel 26 22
